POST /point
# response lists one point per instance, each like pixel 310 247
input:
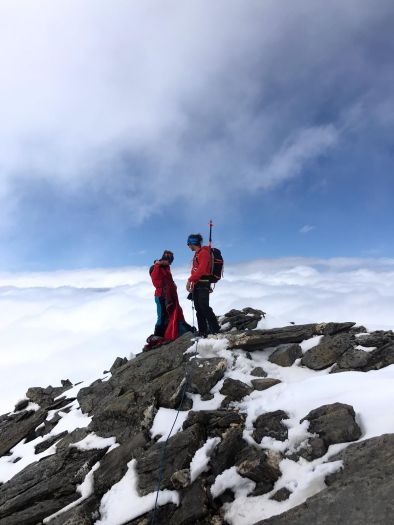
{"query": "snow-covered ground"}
pixel 73 324
pixel 76 329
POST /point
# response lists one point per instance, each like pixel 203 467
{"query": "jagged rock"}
pixel 360 493
pixel 376 339
pixel 215 422
pixel 194 505
pixel 281 495
pixel 234 389
pixel 119 361
pixel 180 479
pixel 256 465
pixel 180 450
pixel 270 425
pixel 314 448
pixel 206 373
pixel 358 330
pixel 258 372
pixel 225 454
pixel 285 355
pixel 45 487
pixel 113 466
pixel 380 358
pixel 82 514
pixel 335 423
pixel 352 359
pixel 333 328
pixel 328 351
pixel 15 427
pixel 44 445
pixel 46 396
pixel 246 319
pixel 262 339
pixel 21 405
pixel 264 383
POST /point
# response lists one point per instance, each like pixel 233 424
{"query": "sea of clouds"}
pixel 73 324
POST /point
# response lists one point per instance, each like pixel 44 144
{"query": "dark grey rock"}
pixel 262 339
pixel 258 372
pixel 380 358
pixel 45 487
pixel 180 450
pixel 264 383
pixel 256 465
pixel 234 389
pixel 119 361
pixel 315 448
pixel 21 405
pixel 215 422
pixel 359 494
pixel 281 495
pixel 270 425
pixel 353 359
pixel 246 319
pixel 285 355
pixel 225 454
pixel 194 505
pixel 376 339
pixel 44 445
pixel 45 397
pixel 328 351
pixel 113 466
pixel 15 427
pixel 205 373
pixel 335 423
pixel 82 514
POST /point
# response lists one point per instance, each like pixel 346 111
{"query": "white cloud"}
pixel 73 324
pixel 307 228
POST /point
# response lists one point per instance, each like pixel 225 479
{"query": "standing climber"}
pixel 199 285
pixel 170 322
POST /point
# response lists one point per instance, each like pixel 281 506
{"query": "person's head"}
pixel 194 241
pixel 167 256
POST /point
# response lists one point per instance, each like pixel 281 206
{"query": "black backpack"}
pixel 217 265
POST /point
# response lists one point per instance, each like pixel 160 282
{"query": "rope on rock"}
pixel 185 381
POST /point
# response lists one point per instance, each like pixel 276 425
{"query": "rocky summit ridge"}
pixel 73 451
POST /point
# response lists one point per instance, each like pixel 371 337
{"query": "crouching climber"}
pixel 170 322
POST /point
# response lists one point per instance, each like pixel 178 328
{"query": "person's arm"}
pixel 203 268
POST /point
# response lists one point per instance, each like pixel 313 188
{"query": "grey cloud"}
pixel 171 98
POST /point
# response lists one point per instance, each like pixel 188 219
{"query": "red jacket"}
pixel 166 288
pixel 161 277
pixel 202 264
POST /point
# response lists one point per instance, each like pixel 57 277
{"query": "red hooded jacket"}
pixel 166 288
pixel 202 264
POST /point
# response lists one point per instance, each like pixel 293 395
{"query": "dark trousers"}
pixel 206 319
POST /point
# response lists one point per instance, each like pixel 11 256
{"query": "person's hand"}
pixel 189 286
pixel 164 262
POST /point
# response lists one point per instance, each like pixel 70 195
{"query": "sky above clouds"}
pixel 124 129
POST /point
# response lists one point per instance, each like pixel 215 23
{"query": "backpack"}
pixel 217 265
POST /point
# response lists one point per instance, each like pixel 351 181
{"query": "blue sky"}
pixel 273 119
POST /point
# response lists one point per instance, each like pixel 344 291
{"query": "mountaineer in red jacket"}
pixel 170 322
pixel 199 285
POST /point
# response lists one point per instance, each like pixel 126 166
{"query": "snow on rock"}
pixel 92 441
pixel 200 460
pixel 86 489
pixel 123 503
pixel 167 420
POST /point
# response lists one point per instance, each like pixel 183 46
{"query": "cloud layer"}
pixel 144 105
pixel 74 324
